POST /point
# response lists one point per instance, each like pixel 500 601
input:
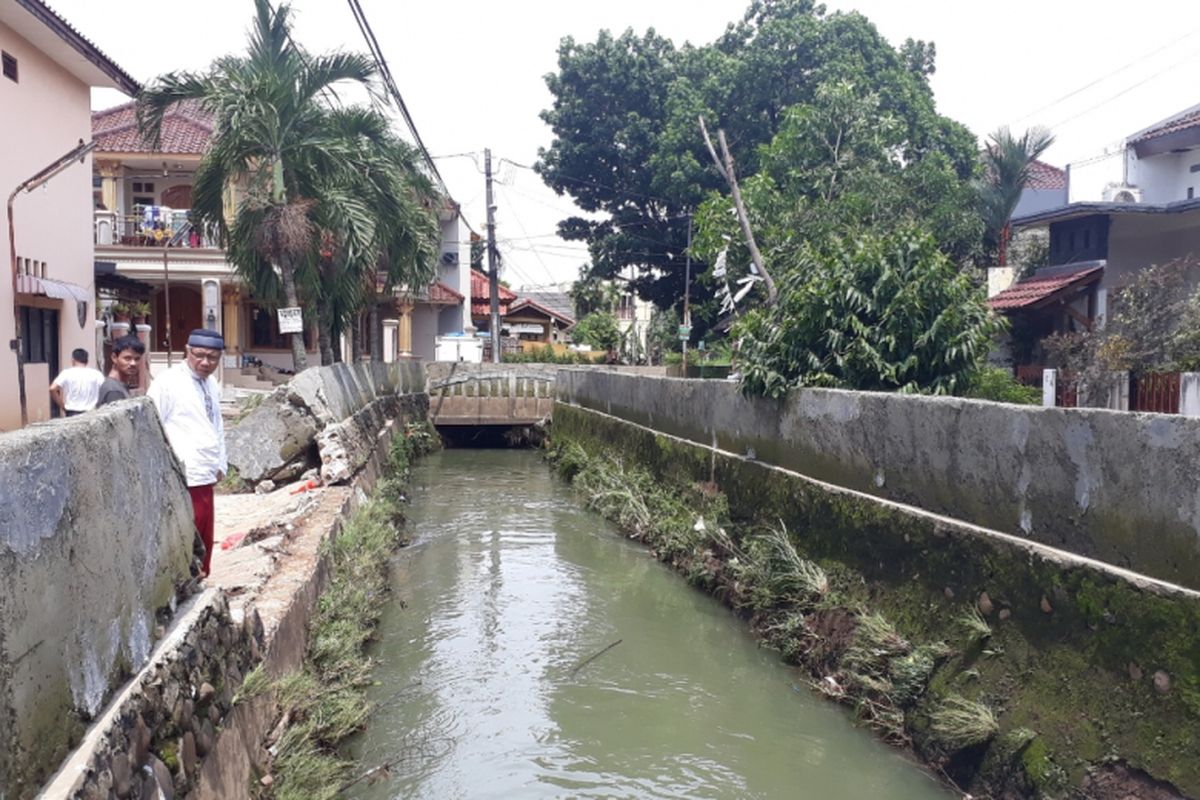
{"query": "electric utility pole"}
pixel 493 272
pixel 687 286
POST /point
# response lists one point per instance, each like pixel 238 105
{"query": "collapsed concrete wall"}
pixel 96 533
pixel 1122 488
pixel 327 416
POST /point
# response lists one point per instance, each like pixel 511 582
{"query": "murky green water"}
pixel 507 588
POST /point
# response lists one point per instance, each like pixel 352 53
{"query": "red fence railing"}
pixel 1155 391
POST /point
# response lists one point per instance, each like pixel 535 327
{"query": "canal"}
pixel 485 688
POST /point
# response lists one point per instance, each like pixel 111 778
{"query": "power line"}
pixel 1107 75
pixel 521 225
pixel 1126 90
pixel 390 84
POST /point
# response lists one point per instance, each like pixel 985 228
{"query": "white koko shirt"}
pixel 193 427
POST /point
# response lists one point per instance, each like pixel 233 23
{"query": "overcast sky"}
pixel 471 73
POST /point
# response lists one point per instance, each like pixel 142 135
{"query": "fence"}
pixel 1153 392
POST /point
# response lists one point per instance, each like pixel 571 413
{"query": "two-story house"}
pixel 147 251
pixel 48 70
pixel 1126 210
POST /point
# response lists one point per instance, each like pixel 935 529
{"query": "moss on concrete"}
pixel 1074 652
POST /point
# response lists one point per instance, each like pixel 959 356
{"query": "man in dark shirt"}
pixel 127 353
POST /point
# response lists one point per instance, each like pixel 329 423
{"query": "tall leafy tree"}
pixel 1008 160
pixel 300 169
pixel 626 141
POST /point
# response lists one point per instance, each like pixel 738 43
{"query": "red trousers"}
pixel 202 508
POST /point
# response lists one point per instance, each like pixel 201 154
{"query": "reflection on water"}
pixel 508 588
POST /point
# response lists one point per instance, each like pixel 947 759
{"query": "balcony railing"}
pixel 161 227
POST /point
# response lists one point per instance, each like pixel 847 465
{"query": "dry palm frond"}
pixel 286 231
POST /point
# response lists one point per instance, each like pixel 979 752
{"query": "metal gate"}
pixel 1155 391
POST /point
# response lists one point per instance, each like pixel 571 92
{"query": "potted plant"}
pixel 120 311
pixel 140 311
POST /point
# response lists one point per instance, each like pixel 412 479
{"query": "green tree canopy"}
pixel 886 313
pixel 1007 162
pixel 599 329
pixel 626 141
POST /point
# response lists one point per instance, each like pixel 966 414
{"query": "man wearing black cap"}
pixel 188 399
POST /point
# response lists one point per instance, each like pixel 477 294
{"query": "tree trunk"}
pixel 324 333
pixel 376 331
pixel 299 357
pixel 356 339
pixel 325 345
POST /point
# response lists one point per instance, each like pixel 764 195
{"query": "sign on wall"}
pixel 291 320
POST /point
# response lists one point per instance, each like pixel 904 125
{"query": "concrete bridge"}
pixel 462 394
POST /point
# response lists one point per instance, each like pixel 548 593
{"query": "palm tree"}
pixel 401 250
pixel 1008 161
pixel 283 151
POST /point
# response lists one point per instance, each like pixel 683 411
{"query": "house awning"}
pixel 1045 287
pixel 45 287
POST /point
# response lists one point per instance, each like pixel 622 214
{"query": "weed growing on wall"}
pixel 324 702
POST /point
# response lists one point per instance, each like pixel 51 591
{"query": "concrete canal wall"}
pixel 1092 668
pixel 1118 487
pixel 95 537
pixel 175 728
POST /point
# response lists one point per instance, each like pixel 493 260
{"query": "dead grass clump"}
pixel 958 723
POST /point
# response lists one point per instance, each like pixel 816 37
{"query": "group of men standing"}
pixel 188 399
pixel 78 388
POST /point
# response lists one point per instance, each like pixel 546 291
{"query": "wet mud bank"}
pixel 1013 669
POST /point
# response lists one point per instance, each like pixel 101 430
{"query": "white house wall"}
pixel 46 113
pixel 456 238
pixel 1087 180
pixel 1157 177
pixel 424 331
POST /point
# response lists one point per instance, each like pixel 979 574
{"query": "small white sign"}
pixel 291 320
pixel 527 327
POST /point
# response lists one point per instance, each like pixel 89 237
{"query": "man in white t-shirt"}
pixel 77 388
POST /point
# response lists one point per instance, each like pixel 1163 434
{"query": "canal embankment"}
pixel 1064 673
pixel 182 725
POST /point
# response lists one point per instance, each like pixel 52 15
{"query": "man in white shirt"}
pixel 77 387
pixel 188 399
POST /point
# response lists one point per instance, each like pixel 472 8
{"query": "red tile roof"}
pixel 481 297
pixel 186 129
pixel 1044 286
pixel 1045 176
pixel 441 293
pixel 1181 122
